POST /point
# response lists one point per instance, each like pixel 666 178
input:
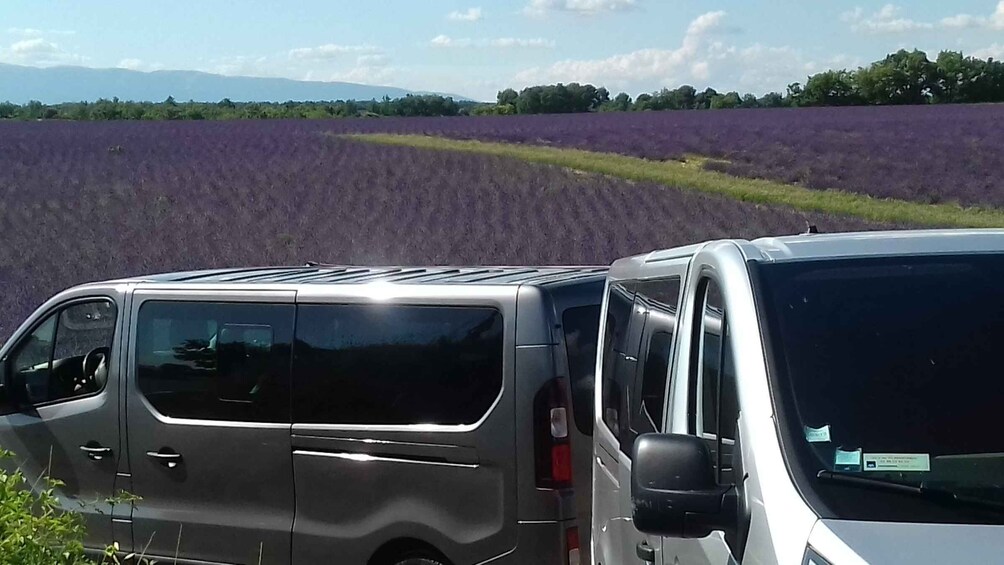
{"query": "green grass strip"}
pixel 690 176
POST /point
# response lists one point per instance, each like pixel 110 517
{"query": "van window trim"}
pixel 222 296
pixel 291 297
pixel 38 319
pixel 443 428
pixel 695 381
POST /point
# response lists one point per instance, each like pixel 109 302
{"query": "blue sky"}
pixel 477 47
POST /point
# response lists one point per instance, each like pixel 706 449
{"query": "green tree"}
pixel 702 100
pixel 771 100
pixel 830 88
pixel 643 102
pixel 621 102
pixel 725 101
pixel 904 77
pixel 507 96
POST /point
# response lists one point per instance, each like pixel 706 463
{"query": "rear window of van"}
pixel 396 365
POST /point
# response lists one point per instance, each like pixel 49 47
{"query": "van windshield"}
pixel 890 369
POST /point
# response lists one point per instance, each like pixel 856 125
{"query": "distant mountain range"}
pixel 54 85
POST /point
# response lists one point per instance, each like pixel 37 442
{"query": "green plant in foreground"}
pixel 35 530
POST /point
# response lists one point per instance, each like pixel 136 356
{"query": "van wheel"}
pixel 418 561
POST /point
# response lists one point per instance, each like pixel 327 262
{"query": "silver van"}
pixel 804 400
pixel 317 414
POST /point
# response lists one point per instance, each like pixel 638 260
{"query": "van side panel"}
pixel 361 488
pixel 358 491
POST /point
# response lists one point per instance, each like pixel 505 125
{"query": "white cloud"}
pixel 372 60
pixel 468 15
pixel 853 15
pixel 961 21
pixel 130 64
pixel 885 21
pixel 888 20
pixel 34 32
pixel 996 51
pixel 994 21
pixel 648 66
pixel 515 42
pixel 39 52
pixel 585 7
pixel 365 75
pixel 447 42
pixel 702 59
pixel 331 51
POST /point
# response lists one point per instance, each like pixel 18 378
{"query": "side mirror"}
pixel 674 491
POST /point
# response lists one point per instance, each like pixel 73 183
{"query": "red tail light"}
pixel 561 463
pixel 552 450
pixel 572 543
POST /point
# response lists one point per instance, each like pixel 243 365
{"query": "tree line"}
pixel 904 77
pixel 226 109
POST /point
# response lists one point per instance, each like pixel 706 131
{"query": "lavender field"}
pixel 927 154
pixel 87 201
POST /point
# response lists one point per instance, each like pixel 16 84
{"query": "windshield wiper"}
pixel 940 495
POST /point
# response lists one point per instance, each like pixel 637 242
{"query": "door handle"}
pixel 645 552
pixel 165 457
pixel 95 451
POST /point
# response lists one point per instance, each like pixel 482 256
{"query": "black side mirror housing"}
pixel 674 491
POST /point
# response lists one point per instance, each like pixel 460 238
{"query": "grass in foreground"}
pixel 687 176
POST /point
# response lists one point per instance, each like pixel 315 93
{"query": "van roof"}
pixel 852 244
pixel 346 274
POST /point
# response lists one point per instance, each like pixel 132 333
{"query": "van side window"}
pixel 713 375
pixel 659 299
pixel 654 378
pixel 68 355
pixel 582 327
pixel 215 361
pixel 389 364
pixel 620 356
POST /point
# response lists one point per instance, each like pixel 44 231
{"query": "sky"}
pixel 474 48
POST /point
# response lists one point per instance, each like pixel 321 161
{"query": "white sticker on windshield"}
pixel 817 435
pixel 913 462
pixel 846 460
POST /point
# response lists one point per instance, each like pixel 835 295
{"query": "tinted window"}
pixel 582 327
pixel 625 323
pixel 216 361
pixel 385 364
pixel 659 297
pixel 715 376
pixel 653 384
pixel 69 354
pixel 890 369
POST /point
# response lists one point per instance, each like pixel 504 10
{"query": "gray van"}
pixel 317 414
pixel 804 400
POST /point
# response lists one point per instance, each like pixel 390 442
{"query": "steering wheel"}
pixel 94 362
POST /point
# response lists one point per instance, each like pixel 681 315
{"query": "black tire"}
pixel 418 561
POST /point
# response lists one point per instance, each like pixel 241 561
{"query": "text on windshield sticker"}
pixel 909 462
